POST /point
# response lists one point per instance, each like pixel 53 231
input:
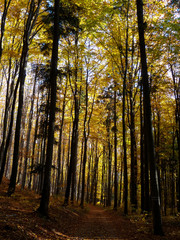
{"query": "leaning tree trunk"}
pixel 156 210
pixel 43 208
pixel 6 112
pixel 7 143
pixel 3 23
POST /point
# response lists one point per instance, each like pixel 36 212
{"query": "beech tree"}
pixel 157 222
pixel 43 208
pixel 30 22
pixel 3 23
pixel 105 142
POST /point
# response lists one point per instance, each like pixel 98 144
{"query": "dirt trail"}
pixel 98 224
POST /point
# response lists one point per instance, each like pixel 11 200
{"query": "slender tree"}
pixel 157 222
pixel 123 116
pixel 30 22
pixel 43 208
pixel 3 23
pixel 115 151
pixel 29 133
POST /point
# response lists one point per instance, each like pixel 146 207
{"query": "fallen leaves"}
pixel 19 220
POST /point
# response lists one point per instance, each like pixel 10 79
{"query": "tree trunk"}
pixel 142 155
pixel 71 178
pixel 43 208
pixel 125 196
pixel 88 179
pixel 60 141
pixel 115 154
pixel 4 153
pixel 80 171
pixel 32 15
pixel 133 185
pixel 109 162
pixel 157 222
pixel 3 22
pixel 73 159
pixel 176 82
pixel 27 154
pixel 34 145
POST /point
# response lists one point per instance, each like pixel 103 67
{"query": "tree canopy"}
pixel 100 149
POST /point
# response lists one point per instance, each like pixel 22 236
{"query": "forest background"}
pixel 99 146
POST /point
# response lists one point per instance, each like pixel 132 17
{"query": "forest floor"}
pixel 20 221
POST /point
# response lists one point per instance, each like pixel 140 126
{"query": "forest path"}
pixel 99 224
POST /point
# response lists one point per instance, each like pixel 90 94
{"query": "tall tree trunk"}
pixel 115 153
pixel 6 147
pixel 27 154
pixel 88 179
pixel 125 196
pixel 3 23
pixel 80 171
pixel 142 155
pixel 157 222
pixel 109 161
pixel 43 148
pixel 60 141
pixel 133 185
pixel 43 208
pixel 73 158
pixel 176 82
pixel 86 135
pixel 31 19
pixel 11 93
pixel 6 111
pixel 71 178
pixel 120 183
pixel 22 144
pixel 103 179
pixel 95 177
pixel 77 94
pixel 172 166
pixel 33 148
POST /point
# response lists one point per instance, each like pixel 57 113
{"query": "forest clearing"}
pixel 90 118
pixel 20 221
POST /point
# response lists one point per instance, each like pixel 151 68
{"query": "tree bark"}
pixel 3 23
pixel 156 211
pixel 109 160
pixel 32 15
pixel 60 142
pixel 43 208
pixel 115 153
pixel 34 145
pixel 6 147
pixel 176 82
pixel 142 155
pixel 28 135
pixel 133 185
pixel 71 177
